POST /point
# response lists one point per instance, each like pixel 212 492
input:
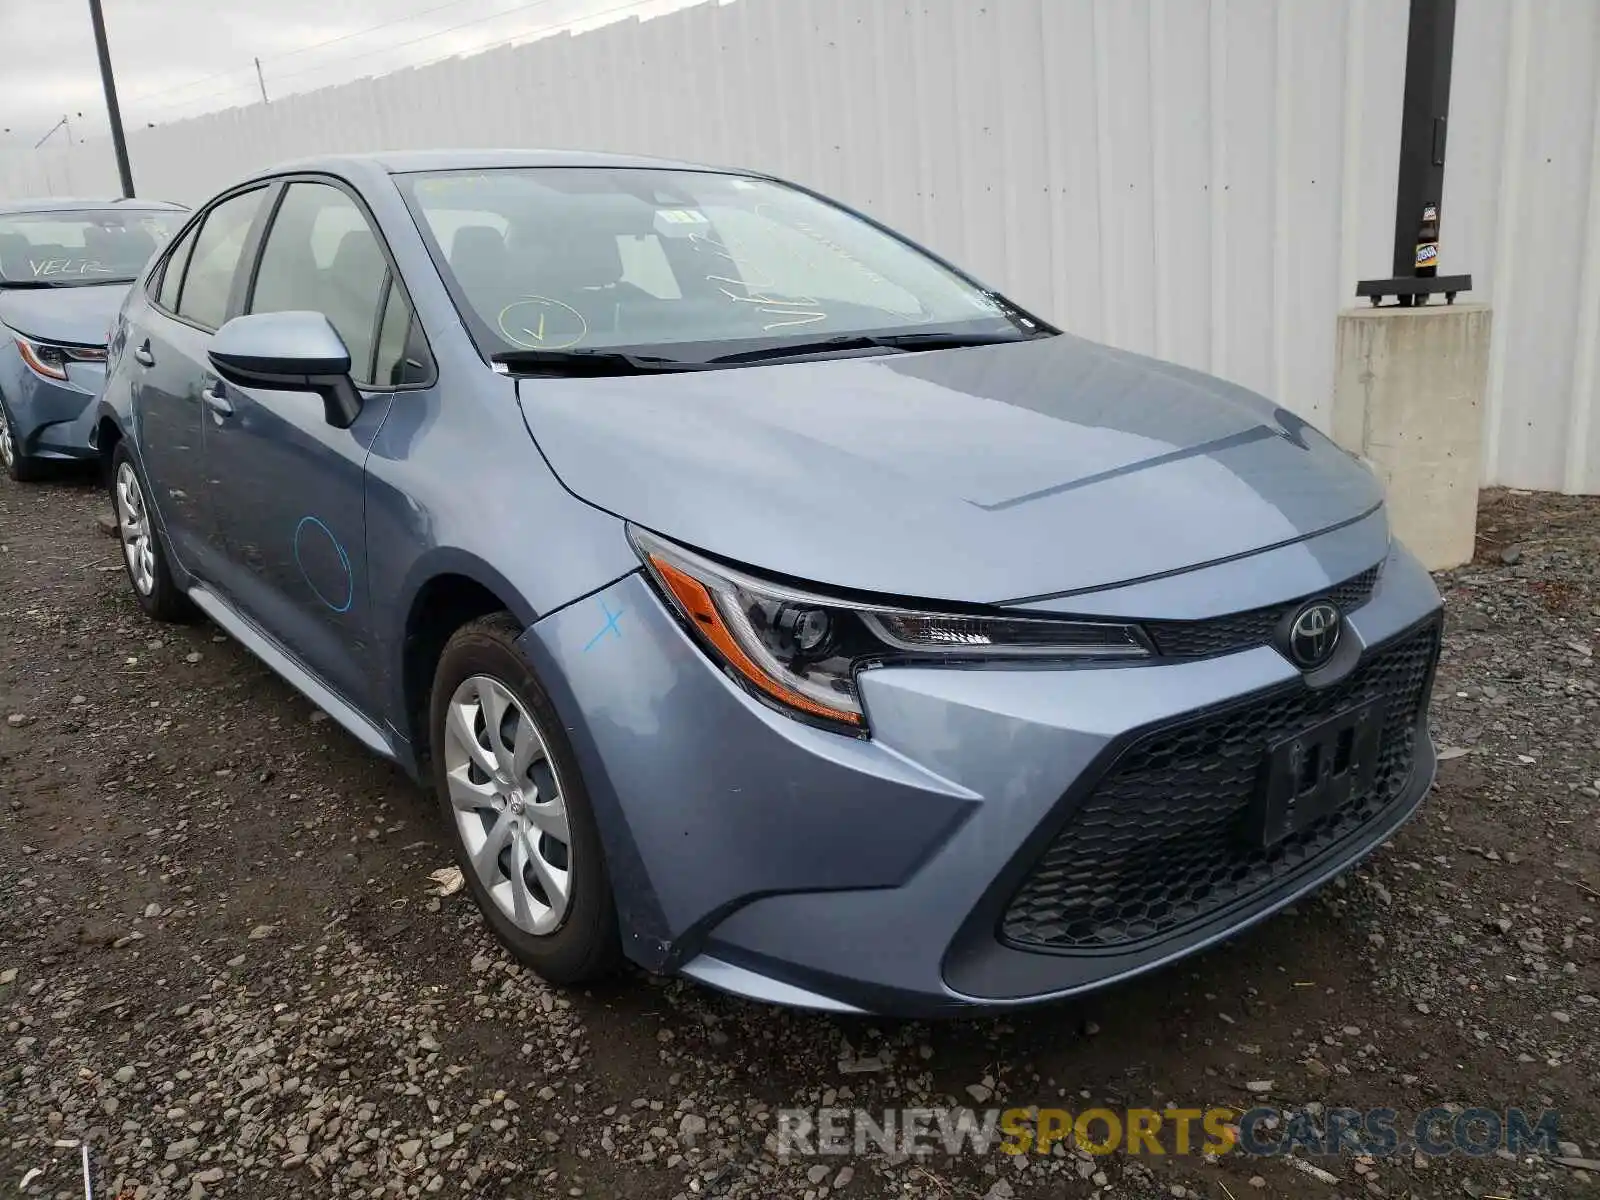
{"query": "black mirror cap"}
pixel 341 402
pixel 266 347
pixel 266 370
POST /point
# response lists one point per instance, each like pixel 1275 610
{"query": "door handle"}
pixel 215 400
pixel 143 356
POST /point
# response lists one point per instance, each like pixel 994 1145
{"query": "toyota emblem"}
pixel 1313 634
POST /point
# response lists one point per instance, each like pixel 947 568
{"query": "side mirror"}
pixel 292 352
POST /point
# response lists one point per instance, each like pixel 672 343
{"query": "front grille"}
pixel 1158 843
pixel 1242 631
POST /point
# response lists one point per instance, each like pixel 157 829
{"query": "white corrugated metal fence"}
pixel 1204 180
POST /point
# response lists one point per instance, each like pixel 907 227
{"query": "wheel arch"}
pixel 447 589
pixel 106 433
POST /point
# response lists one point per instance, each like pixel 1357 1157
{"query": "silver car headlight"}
pixel 801 650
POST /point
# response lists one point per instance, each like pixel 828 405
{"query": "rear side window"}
pixel 208 280
pixel 321 255
pixel 172 273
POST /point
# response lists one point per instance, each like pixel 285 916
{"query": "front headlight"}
pixel 801 650
pixel 50 359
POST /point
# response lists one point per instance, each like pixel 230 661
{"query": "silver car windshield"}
pixel 568 258
pixel 81 246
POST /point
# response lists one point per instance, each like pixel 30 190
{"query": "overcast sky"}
pixel 177 58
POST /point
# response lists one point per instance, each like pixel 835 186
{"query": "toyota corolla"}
pixel 64 268
pixel 766 600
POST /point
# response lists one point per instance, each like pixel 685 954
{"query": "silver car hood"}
pixel 81 314
pixel 985 474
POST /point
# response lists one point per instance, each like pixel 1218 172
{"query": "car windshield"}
pixel 74 247
pixel 689 265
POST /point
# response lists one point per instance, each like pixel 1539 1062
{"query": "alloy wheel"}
pixel 8 449
pixel 508 804
pixel 133 523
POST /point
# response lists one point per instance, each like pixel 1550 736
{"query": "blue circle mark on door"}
pixel 323 564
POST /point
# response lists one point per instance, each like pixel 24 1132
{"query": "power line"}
pixel 505 12
pixel 244 84
pixel 527 5
pixel 178 87
pixel 606 12
pixel 531 4
pixel 523 6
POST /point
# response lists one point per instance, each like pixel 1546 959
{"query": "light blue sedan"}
pixel 763 599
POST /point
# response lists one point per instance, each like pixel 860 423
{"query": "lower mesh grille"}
pixel 1158 844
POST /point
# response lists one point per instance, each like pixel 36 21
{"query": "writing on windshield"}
pixel 758 288
pixel 44 268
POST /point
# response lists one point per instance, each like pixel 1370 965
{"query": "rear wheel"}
pixel 510 791
pixel 21 467
pixel 143 553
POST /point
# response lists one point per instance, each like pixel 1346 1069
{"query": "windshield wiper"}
pixel 587 363
pixel 96 281
pixel 922 340
pixel 598 362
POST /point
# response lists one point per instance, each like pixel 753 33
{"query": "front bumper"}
pixel 50 418
pixel 799 866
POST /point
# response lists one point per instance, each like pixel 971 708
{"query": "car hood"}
pixel 80 314
pixel 984 474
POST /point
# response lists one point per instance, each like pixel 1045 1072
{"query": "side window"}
pixel 321 256
pixel 208 280
pixel 400 359
pixel 172 273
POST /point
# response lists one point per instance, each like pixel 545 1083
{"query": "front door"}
pixel 167 345
pixel 287 486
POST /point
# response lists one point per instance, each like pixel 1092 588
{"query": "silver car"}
pixel 764 599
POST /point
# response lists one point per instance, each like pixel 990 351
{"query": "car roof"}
pixel 75 204
pixel 399 162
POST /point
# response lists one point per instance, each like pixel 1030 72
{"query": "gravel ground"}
pixel 221 965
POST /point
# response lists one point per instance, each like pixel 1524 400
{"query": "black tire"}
pixel 21 467
pixel 586 945
pixel 164 600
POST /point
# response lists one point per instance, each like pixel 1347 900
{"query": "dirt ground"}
pixel 221 966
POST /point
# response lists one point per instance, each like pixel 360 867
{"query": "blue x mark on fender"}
pixel 609 627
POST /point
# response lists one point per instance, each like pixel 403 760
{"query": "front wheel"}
pixel 18 465
pixel 512 795
pixel 143 553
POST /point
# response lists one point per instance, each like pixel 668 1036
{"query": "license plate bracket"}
pixel 1318 770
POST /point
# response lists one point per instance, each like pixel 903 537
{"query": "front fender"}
pixel 455 486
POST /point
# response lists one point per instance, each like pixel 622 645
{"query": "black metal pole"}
pixel 118 142
pixel 1419 188
pixel 1426 109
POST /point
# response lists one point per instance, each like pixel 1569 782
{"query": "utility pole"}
pixel 262 81
pixel 118 142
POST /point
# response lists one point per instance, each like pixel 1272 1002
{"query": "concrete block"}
pixel 1408 396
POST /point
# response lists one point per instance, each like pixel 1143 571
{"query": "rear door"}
pixel 167 346
pixel 288 486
